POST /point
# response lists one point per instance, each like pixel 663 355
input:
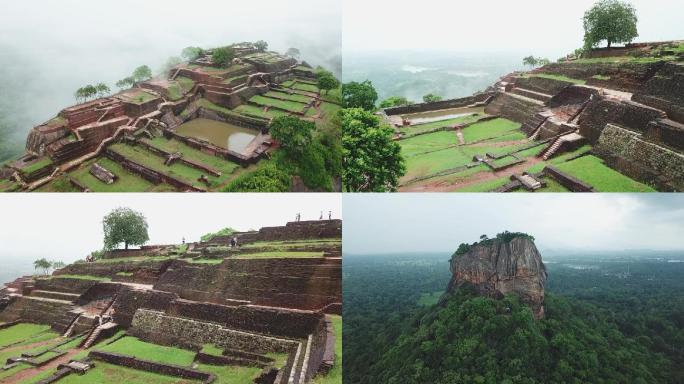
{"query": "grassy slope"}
pixel 132 346
pixel 592 170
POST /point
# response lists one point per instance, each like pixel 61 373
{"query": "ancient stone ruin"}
pixel 629 112
pixel 498 266
pixel 272 293
pixel 126 129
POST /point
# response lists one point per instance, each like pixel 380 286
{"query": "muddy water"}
pixel 221 134
pixel 441 114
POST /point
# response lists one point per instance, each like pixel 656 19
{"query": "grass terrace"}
pixel 138 258
pixel 284 95
pixel 110 373
pixel 279 255
pixel 420 128
pixel 287 105
pixel 41 163
pixel 126 182
pixel 133 346
pixel 138 96
pixel 593 171
pixel 255 111
pixel 218 163
pixel 79 277
pixel 554 76
pixel 176 170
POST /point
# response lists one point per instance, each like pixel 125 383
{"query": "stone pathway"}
pixel 26 374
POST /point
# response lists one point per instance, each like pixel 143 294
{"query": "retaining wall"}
pixel 513 108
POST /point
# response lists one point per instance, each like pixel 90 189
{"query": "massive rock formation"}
pixel 500 266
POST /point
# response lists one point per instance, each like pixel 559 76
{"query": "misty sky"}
pixel 428 222
pixel 67 227
pixel 50 48
pixel 540 27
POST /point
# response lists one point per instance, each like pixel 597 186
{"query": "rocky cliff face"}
pixel 497 267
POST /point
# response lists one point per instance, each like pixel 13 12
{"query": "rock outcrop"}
pixel 500 266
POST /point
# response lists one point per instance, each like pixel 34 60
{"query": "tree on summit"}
pixel 431 98
pixel 124 225
pixel 359 95
pixel 612 20
pixel 261 46
pixel 223 56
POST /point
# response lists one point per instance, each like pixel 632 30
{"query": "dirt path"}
pixel 447 186
pixel 29 346
pixel 28 373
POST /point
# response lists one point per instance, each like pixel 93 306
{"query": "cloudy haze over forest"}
pixel 439 222
pixel 48 49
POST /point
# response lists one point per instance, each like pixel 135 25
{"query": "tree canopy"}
pixel 191 53
pixel 359 95
pixel 431 98
pixel 293 133
pixel 261 45
pixel 43 264
pixel 142 73
pixel 223 56
pixel 326 80
pixel 124 225
pixel 394 101
pixel 371 161
pixel 614 21
pixel 293 52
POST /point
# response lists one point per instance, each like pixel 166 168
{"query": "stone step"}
pixel 55 295
pixel 532 94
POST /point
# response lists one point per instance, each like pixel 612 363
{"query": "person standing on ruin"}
pixel 321 217
pixel 329 215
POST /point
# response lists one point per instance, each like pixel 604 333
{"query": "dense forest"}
pixel 608 320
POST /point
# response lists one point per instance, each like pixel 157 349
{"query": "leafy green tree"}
pixel 293 52
pixel 268 178
pixel 191 53
pixel 359 95
pixel 142 73
pixel 614 21
pixel 171 62
pixel 542 61
pixel 58 264
pixel 79 95
pixel 222 232
pixel 530 61
pixel 43 264
pixel 293 134
pixel 431 98
pixel 261 46
pixel 102 89
pixel 125 83
pixel 124 225
pixel 223 56
pixel 394 101
pixel 90 91
pixel 372 162
pixel 326 80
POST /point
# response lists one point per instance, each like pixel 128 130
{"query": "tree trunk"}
pixel 126 244
pixel 608 43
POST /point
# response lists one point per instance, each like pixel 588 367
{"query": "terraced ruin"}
pixel 612 121
pixel 266 311
pixel 196 128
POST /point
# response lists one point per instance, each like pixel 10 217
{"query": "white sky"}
pixel 427 222
pixel 542 27
pixel 67 227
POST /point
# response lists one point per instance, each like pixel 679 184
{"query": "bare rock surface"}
pixel 497 267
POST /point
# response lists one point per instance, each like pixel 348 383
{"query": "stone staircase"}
pixel 55 295
pixel 97 332
pixel 532 94
pixel 556 144
pixel 533 125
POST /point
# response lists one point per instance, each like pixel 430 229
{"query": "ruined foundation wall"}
pixel 112 268
pixel 160 328
pixel 627 152
pixel 443 104
pixel 602 111
pixel 513 108
pixel 129 300
pixel 665 90
pixel 624 76
pixel 542 84
pixel 35 310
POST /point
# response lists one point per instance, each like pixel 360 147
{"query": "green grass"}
pixel 177 170
pixel 429 142
pixel 600 77
pixel 593 171
pixel 293 97
pixel 418 128
pixel 115 374
pixel 303 86
pixel 133 259
pixel 488 129
pixel 133 346
pixel 127 181
pixel 59 184
pixel 329 109
pixel 554 76
pixel 281 246
pixel 124 274
pixel 434 162
pixel 211 349
pixel 185 82
pixel 174 92
pixel 80 277
pixel 206 261
pixel 552 186
pixel 429 299
pixel 41 163
pixel 21 332
pixel 229 374
pixel 279 359
pixel 252 110
pixel 140 96
pixel 291 106
pixel 503 161
pixel 279 255
pixel 621 60
pixel 486 186
pixel 218 163
pixel 335 374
